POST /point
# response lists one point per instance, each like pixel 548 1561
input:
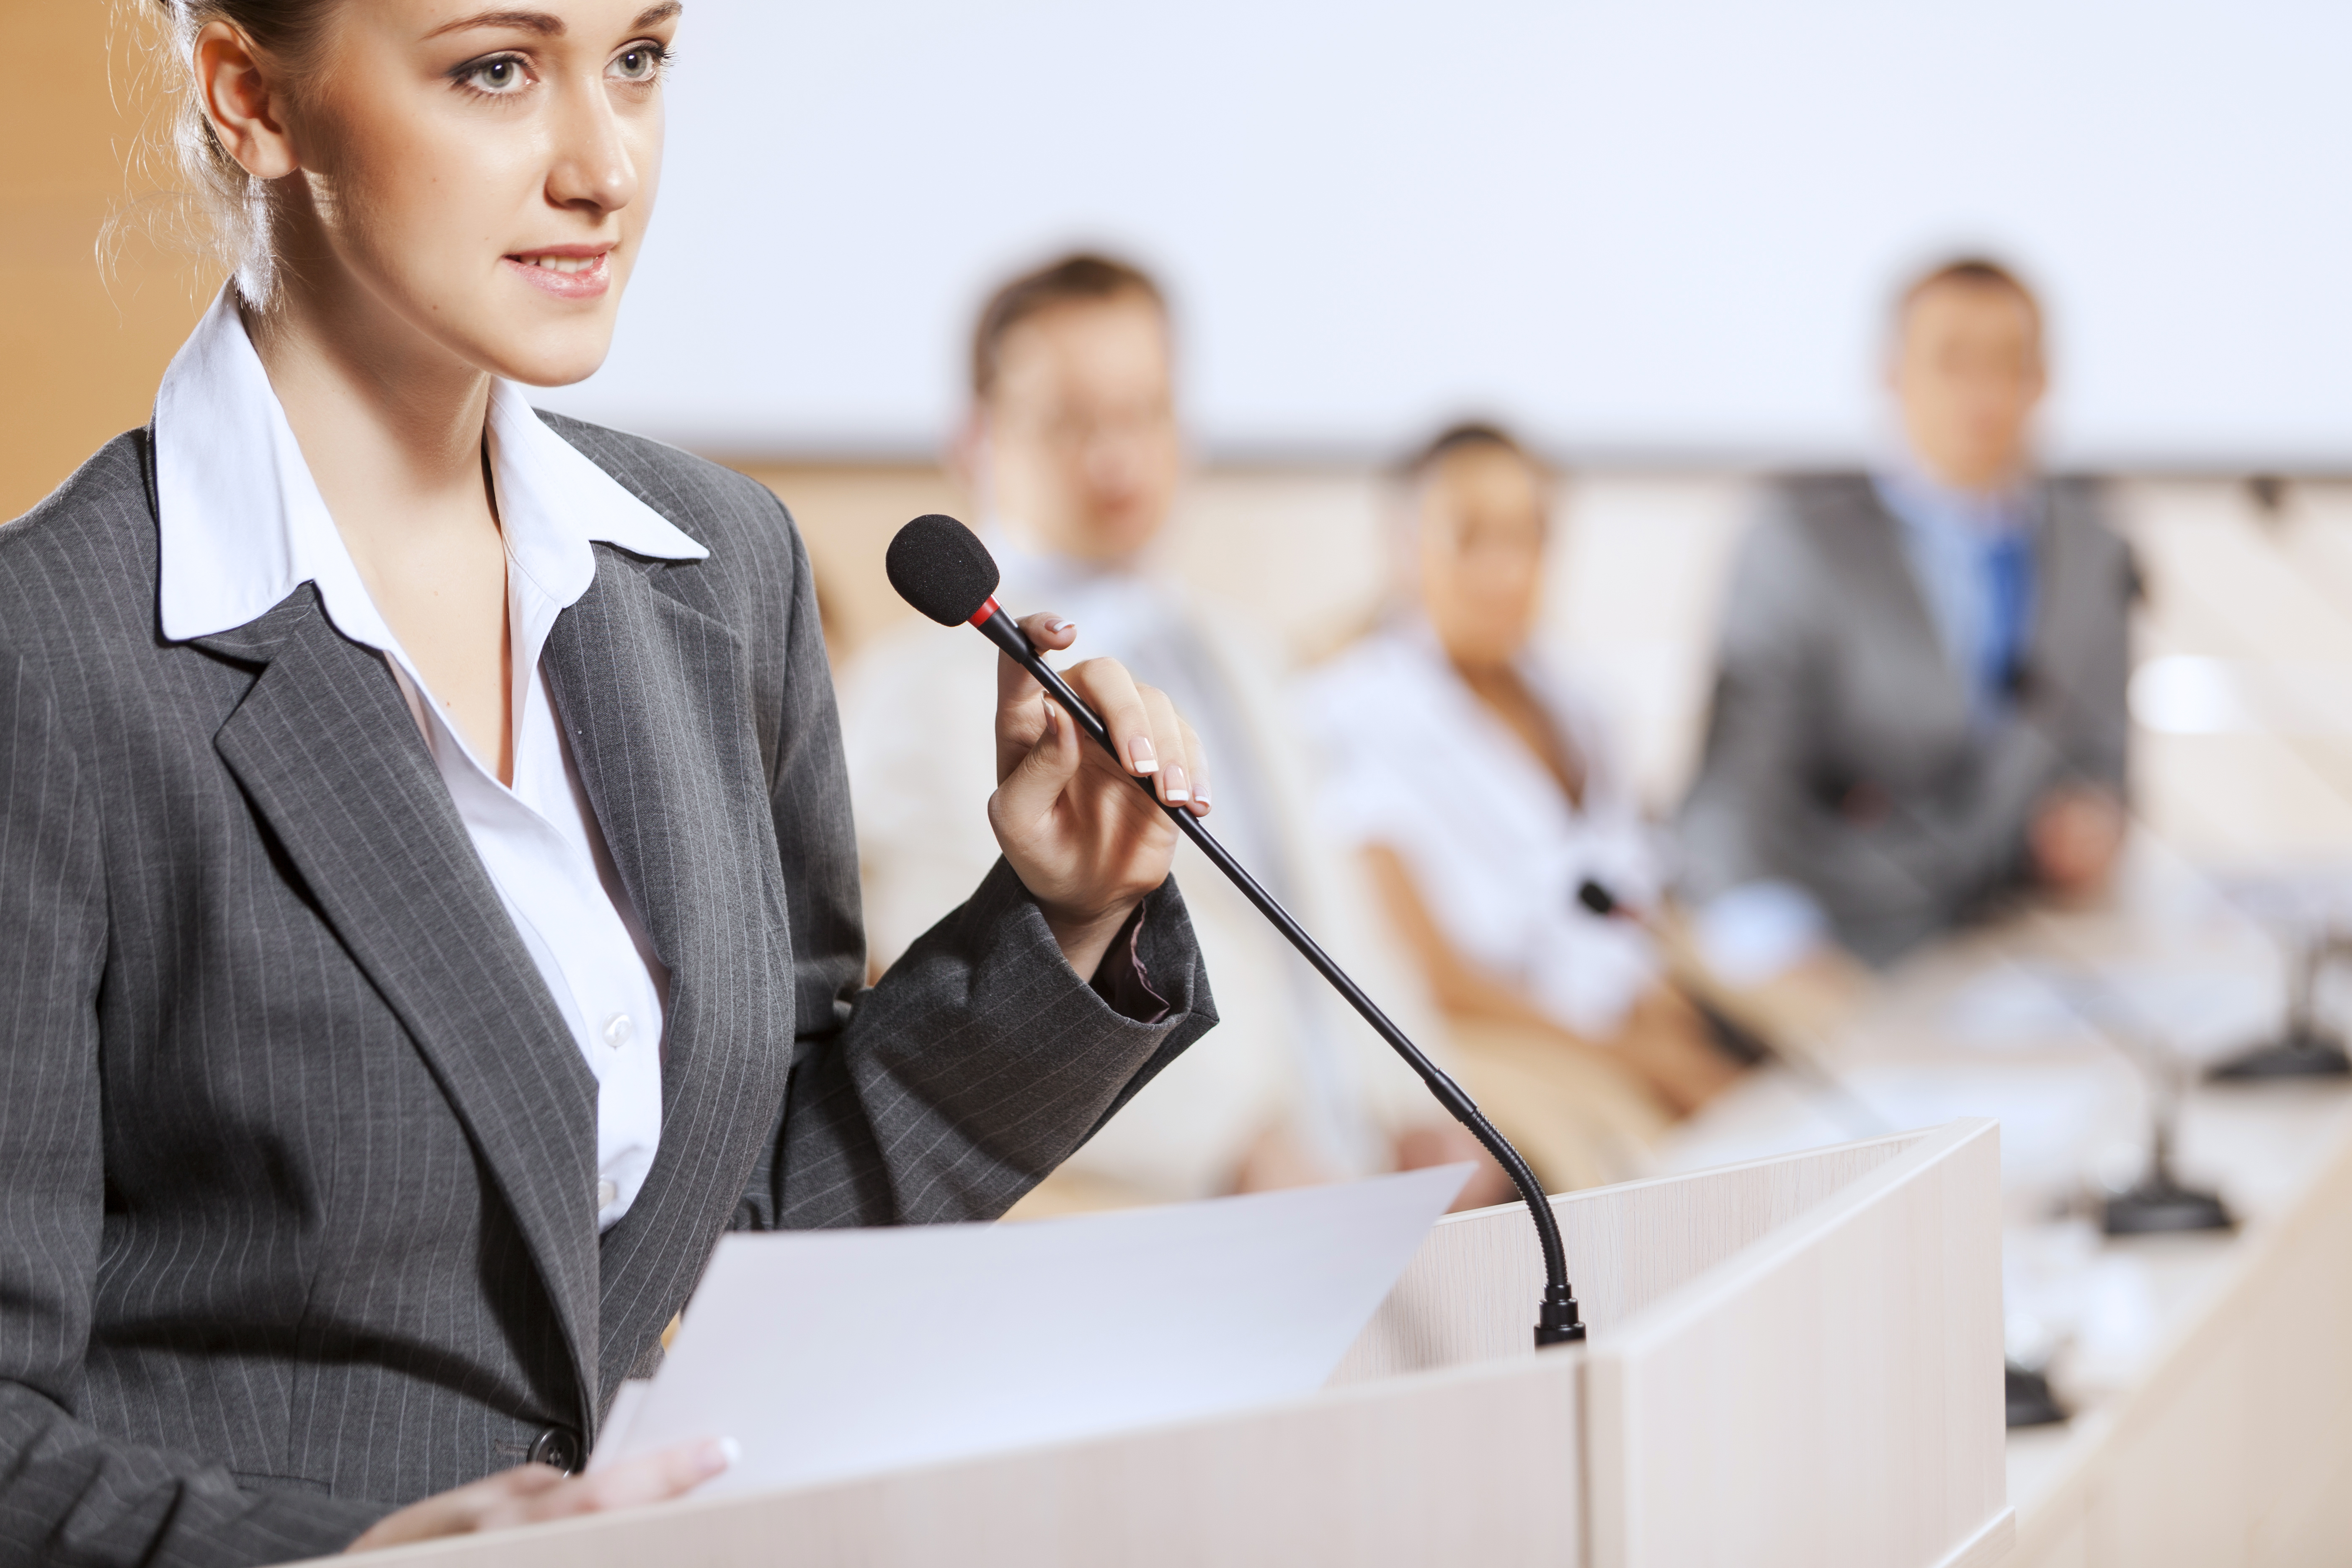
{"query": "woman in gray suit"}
pixel 428 904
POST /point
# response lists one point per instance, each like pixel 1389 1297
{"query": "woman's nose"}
pixel 593 167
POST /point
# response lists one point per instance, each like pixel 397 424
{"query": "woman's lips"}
pixel 564 277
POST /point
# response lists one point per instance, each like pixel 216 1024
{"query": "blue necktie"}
pixel 2009 571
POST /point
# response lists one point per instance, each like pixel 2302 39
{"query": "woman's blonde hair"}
pixel 225 212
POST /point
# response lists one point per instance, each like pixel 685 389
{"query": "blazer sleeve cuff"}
pixel 1124 980
pixel 980 1062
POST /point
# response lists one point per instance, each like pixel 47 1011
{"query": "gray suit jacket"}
pixel 1840 749
pixel 296 1155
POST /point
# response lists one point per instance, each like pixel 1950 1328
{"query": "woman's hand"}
pixel 533 1494
pixel 1083 839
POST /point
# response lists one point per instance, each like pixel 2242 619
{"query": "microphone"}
pixel 1741 1042
pixel 942 569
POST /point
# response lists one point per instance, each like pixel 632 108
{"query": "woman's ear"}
pixel 243 103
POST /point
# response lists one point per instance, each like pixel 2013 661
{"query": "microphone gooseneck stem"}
pixel 1557 1319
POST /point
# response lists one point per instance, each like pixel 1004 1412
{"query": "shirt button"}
pixel 607 1190
pixel 619 1030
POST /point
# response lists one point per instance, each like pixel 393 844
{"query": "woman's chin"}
pixel 541 362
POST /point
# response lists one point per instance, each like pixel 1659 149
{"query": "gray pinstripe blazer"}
pixel 297 1156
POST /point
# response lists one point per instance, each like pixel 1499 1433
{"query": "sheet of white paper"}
pixel 615 1434
pixel 832 1354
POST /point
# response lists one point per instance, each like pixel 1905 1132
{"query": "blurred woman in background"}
pixel 1484 790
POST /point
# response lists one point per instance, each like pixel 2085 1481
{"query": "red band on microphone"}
pixel 979 617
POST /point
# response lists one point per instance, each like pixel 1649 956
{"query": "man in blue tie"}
pixel 1918 711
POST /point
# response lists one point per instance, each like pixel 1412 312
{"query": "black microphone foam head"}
pixel 1596 898
pixel 941 568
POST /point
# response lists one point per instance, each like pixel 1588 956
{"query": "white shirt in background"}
pixel 1418 764
pixel 242 525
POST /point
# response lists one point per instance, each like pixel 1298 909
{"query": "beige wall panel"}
pixel 1303 551
pixel 82 351
pixel 1636 586
pixel 847 514
pixel 2221 583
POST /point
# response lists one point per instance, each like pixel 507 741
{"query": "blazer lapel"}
pixel 330 756
pixel 655 704
pixel 1878 554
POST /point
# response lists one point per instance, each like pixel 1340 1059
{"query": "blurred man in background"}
pixel 1485 789
pixel 1919 699
pixel 1073 455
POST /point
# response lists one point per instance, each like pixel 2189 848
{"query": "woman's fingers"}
pixel 1018 722
pixel 1105 686
pixel 1173 782
pixel 460 1510
pixel 1026 793
pixel 1151 737
pixel 528 1494
pixel 1200 766
pixel 648 1478
pixel 1183 777
pixel 1177 778
pixel 1082 839
pixel 1048 632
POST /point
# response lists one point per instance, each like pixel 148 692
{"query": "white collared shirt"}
pixel 242 524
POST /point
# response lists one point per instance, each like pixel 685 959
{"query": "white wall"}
pixel 1663 229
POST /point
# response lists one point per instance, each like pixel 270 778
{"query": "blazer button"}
pixel 559 1446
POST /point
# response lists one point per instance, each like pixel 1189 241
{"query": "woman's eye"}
pixel 641 63
pixel 499 74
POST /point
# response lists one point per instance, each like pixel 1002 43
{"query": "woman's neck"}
pixel 390 424
pixel 1498 685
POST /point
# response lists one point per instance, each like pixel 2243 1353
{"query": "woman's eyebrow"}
pixel 545 24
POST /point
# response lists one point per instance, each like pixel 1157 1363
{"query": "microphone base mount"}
pixel 1557 1322
pixel 2161 1205
pixel 2030 1400
pixel 2301 1054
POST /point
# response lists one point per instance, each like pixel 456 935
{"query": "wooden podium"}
pixel 1792 1362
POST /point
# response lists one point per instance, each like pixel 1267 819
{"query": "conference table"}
pixel 2210 1374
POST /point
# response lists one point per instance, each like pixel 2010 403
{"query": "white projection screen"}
pixel 1660 232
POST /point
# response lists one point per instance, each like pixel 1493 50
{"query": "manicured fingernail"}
pixel 1147 761
pixel 719 1456
pixel 1178 785
pixel 1201 803
pixel 1057 625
